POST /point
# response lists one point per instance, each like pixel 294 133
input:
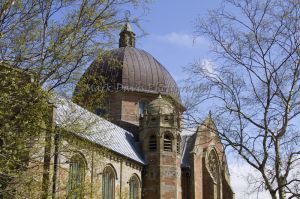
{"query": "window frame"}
pixel 108 182
pixel 77 165
pixel 134 192
pixel 168 142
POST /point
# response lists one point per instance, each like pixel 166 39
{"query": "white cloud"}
pixel 208 68
pixel 181 39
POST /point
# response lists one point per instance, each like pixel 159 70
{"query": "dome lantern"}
pixel 127 36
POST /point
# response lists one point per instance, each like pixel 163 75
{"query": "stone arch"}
pixel 168 133
pixel 134 187
pixel 137 177
pixel 76 153
pixel 110 166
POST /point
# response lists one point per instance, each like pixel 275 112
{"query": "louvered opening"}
pixel 167 143
pixel 152 143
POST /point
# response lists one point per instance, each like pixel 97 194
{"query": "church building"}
pixel 139 150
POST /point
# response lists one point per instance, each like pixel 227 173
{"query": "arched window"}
pixel 108 183
pixel 134 187
pixel 76 177
pixel 214 168
pixel 167 142
pixel 152 143
pixel 142 107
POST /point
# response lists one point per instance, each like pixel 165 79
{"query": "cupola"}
pixel 127 36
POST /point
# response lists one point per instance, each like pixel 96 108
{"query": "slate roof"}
pixel 89 126
pixel 187 143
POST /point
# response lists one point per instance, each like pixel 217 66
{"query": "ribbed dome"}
pixel 135 70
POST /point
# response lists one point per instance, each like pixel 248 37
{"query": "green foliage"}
pixel 57 39
pixel 23 112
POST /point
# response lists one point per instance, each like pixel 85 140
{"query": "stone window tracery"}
pixel 214 168
pixel 213 165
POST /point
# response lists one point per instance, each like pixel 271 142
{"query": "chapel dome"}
pixel 133 69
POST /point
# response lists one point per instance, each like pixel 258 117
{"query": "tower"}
pixel 160 141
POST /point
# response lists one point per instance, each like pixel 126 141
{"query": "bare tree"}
pixel 56 39
pixel 254 83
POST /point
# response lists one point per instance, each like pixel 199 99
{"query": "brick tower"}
pixel 160 141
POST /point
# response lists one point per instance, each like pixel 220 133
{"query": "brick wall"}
pixel 125 105
pixel 96 160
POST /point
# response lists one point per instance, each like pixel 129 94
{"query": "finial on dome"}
pixel 127 36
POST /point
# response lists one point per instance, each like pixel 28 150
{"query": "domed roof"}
pixel 133 69
pixel 160 106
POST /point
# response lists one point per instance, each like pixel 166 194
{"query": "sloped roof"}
pixel 187 143
pixel 89 126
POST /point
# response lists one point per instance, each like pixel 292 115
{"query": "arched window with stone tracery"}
pixel 215 170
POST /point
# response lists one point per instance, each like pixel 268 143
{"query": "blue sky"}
pixel 170 26
pixel 170 39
